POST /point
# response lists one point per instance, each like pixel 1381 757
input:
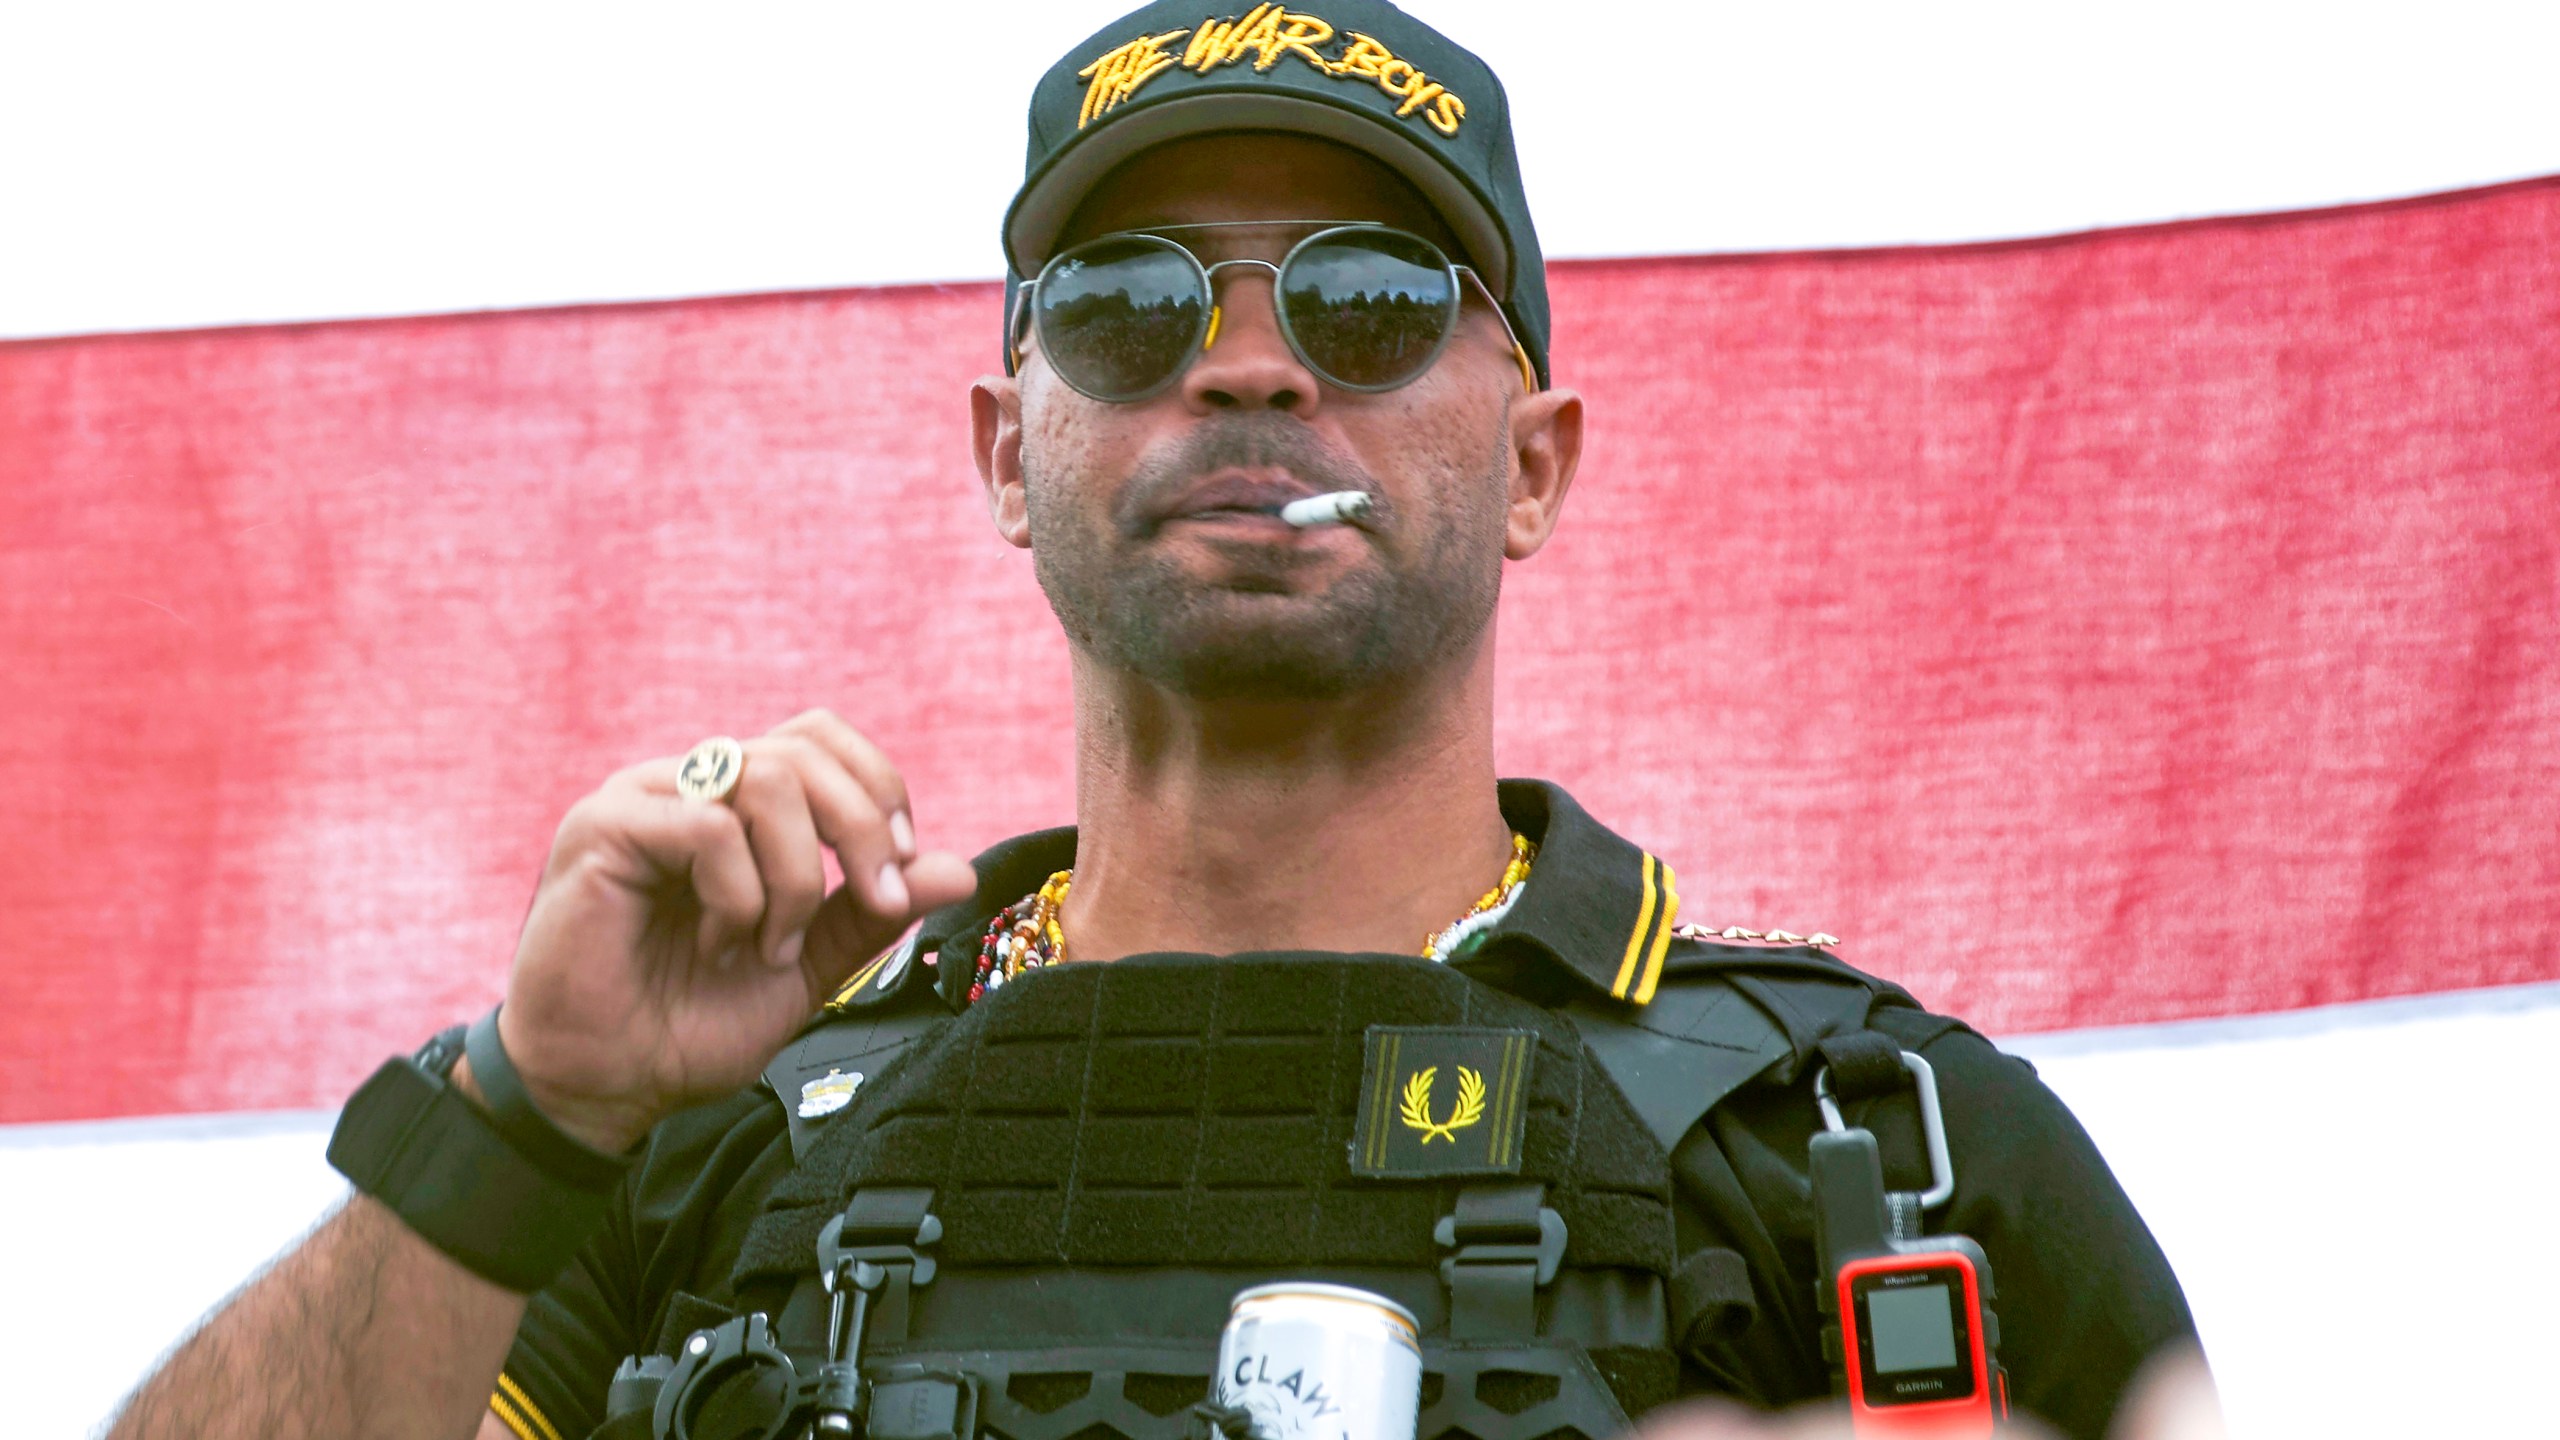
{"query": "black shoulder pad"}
pixel 1675 1058
pixel 872 1020
pixel 1722 1015
pixel 1693 956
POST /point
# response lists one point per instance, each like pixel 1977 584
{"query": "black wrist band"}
pixel 527 1129
pixel 410 1140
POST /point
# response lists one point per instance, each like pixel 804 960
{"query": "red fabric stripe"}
pixel 2130 626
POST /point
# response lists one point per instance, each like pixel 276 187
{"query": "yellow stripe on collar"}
pixel 1619 987
pixel 1652 975
pixel 852 987
pixel 510 1399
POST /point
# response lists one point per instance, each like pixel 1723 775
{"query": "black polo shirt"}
pixel 2084 1293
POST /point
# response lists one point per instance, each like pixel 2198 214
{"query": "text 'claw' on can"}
pixel 1321 1362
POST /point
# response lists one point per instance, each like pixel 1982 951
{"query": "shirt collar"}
pixel 1596 915
pixel 1597 906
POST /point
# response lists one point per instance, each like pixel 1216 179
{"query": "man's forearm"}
pixel 364 1331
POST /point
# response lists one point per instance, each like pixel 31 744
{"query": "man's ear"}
pixel 1546 446
pixel 995 436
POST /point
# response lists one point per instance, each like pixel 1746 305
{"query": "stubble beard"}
pixel 1417 605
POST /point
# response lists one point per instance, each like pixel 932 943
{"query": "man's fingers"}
pixel 672 838
pixel 870 768
pixel 772 800
pixel 937 878
pixel 814 780
pixel 853 826
pixel 848 932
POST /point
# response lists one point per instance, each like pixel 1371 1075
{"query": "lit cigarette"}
pixel 1337 508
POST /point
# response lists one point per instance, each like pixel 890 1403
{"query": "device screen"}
pixel 1914 1340
pixel 1912 1328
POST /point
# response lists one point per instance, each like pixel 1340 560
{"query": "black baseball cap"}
pixel 1360 73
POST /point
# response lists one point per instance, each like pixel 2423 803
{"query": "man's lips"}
pixel 1230 495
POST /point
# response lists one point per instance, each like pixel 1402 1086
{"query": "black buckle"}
pixel 1541 1246
pixel 869 1258
pixel 1507 1244
pixel 875 1251
pixel 740 1377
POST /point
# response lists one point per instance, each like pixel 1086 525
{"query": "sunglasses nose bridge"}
pixel 1210 272
pixel 1247 357
pixel 1217 308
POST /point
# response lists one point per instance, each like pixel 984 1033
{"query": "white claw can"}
pixel 1321 1362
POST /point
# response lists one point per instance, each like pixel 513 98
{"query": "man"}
pixel 1257 259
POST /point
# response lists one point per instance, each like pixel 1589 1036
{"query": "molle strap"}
pixel 1508 1243
pixel 877 1245
pixel 1813 1000
pixel 1864 1064
pixel 1711 1299
pixel 801 1328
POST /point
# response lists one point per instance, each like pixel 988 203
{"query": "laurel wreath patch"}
pixel 1415 1111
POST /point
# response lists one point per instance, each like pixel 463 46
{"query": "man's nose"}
pixel 1248 364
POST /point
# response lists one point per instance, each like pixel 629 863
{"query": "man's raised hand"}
pixel 674 945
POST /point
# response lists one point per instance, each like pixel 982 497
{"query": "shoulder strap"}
pixel 1721 1017
pixel 1675 1058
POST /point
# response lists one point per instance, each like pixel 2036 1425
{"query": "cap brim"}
pixel 1050 198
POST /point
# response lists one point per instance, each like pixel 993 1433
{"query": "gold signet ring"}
pixel 710 769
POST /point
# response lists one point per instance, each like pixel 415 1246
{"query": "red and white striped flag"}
pixel 2142 643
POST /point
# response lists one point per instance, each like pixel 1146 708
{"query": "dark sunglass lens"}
pixel 1369 308
pixel 1118 317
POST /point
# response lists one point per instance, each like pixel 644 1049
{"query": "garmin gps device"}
pixel 1914 1338
pixel 1913 1342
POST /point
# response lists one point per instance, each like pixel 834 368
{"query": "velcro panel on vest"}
pixel 1197 1111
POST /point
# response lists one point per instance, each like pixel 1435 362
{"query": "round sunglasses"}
pixel 1364 306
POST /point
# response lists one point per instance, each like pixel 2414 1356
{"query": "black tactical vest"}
pixel 1110 1152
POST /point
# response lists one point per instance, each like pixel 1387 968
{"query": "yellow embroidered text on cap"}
pixel 1269 33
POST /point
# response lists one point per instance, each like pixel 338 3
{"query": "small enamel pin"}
pixel 828 1093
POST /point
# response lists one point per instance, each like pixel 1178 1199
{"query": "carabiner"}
pixel 1933 1126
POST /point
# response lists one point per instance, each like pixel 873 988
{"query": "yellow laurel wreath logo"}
pixel 1416 1109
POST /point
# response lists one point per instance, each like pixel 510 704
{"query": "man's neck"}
pixel 1360 825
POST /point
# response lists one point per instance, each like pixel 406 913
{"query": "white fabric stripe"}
pixel 164 1129
pixel 2347 1194
pixel 2349 1198
pixel 120 1234
pixel 290 159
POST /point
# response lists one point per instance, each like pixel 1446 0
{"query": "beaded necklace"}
pixel 1025 934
